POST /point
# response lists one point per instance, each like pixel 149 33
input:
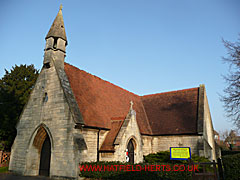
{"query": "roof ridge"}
pixel 169 92
pixel 103 80
pixel 147 118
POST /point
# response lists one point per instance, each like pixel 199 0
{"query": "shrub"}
pixel 160 158
pixel 224 153
pixel 231 164
pixel 164 157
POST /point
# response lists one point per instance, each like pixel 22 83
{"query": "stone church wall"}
pixel 90 137
pixel 130 131
pixel 153 144
pixel 52 111
pixel 208 133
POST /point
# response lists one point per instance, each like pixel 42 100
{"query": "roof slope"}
pixel 159 114
pixel 172 112
pixel 111 136
pixel 99 100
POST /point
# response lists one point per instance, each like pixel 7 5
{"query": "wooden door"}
pixel 45 158
pixel 130 148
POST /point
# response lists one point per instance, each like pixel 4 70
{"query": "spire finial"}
pixel 57 29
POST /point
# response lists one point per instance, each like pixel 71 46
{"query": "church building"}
pixel 72 117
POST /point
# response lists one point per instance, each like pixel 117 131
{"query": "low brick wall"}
pixel 4 158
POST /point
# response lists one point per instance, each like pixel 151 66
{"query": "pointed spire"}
pixel 57 29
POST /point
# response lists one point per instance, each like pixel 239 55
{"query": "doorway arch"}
pixel 35 144
pixel 130 148
pixel 45 157
pixel 42 143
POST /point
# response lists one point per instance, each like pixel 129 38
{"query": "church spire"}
pixel 57 29
pixel 56 42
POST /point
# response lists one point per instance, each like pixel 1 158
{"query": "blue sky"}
pixel 144 46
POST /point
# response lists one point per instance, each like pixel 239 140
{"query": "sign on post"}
pixel 180 153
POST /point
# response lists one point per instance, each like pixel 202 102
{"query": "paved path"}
pixel 9 176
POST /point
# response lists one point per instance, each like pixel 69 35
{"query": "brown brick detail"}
pixel 4 158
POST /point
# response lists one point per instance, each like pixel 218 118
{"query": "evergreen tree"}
pixel 15 88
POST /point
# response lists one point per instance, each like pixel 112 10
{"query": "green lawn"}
pixel 3 169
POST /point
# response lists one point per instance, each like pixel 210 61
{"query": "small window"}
pixel 55 43
pixel 47 65
pixel 45 99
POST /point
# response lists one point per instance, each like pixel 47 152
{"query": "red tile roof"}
pixel 112 134
pixel 172 112
pixel 102 103
pixel 99 100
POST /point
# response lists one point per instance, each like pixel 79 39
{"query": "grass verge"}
pixel 3 169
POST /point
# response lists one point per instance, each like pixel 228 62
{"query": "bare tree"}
pixel 224 134
pixel 231 97
pixel 227 138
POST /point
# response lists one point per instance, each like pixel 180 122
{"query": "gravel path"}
pixel 9 176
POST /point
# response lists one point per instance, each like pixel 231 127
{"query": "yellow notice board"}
pixel 180 153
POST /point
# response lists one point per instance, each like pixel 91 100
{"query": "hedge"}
pixel 224 153
pixel 164 157
pixel 231 164
pixel 160 159
pixel 131 175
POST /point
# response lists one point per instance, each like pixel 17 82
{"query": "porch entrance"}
pixel 130 148
pixel 45 157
